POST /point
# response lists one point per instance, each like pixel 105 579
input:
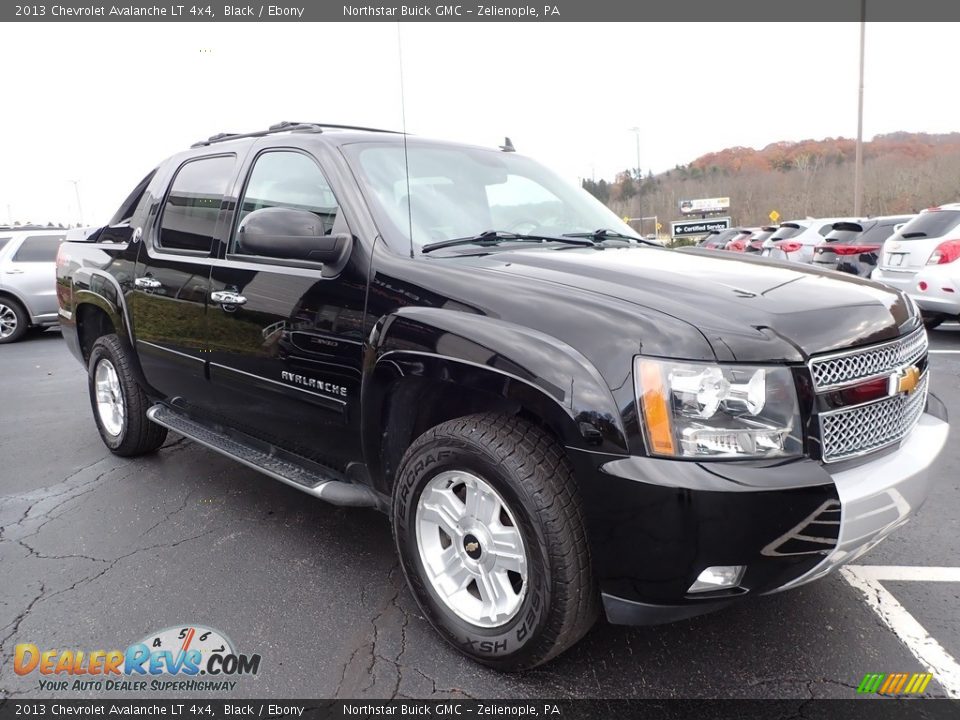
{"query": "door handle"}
pixel 225 297
pixel 14 272
pixel 147 283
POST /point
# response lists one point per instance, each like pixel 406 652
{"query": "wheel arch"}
pixel 95 316
pixel 425 366
pixel 9 293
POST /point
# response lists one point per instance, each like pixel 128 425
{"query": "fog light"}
pixel 718 577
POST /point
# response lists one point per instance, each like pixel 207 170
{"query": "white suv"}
pixel 28 296
pixel 795 240
pixel 920 259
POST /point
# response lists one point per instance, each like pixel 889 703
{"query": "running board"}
pixel 325 484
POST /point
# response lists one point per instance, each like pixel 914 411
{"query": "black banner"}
pixel 483 11
pixel 190 709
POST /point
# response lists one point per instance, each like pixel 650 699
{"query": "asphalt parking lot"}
pixel 97 552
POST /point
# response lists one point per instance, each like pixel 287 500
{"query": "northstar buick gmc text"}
pixel 557 416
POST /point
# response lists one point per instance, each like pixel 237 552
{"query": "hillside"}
pixel 903 172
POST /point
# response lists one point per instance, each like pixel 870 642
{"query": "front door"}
pixel 171 283
pixel 284 336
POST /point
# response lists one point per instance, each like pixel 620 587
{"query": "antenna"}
pixel 507 145
pixel 406 158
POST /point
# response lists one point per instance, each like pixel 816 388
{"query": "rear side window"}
pixel 192 207
pixel 38 248
pixel 931 225
pixel 825 229
pixel 3 241
pixel 877 234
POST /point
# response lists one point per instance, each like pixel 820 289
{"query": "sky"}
pixel 90 108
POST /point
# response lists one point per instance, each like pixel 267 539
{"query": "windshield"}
pixel 459 192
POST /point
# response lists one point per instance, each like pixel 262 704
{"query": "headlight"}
pixel 705 410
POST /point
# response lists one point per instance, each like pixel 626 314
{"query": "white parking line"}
pixel 868 578
pixel 944 352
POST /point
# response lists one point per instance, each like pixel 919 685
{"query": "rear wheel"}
pixel 119 402
pixel 491 538
pixel 13 320
pixel 933 322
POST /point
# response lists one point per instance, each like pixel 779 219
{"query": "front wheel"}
pixel 119 402
pixel 491 539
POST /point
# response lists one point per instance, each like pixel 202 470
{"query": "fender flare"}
pixel 115 308
pixel 523 365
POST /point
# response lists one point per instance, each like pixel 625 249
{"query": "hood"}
pixel 749 309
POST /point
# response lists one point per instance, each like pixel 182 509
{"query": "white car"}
pixel 28 297
pixel 920 259
pixel 795 240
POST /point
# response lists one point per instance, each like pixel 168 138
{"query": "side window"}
pixel 288 179
pixel 192 207
pixel 38 248
pixel 826 229
pixel 3 241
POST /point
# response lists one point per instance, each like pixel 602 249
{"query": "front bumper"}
pixel 655 524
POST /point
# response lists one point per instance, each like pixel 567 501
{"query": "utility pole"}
pixel 636 131
pixel 858 169
pixel 76 190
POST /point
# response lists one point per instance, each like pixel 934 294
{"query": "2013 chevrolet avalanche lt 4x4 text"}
pixel 555 415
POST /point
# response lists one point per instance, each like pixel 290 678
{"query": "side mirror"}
pixel 290 234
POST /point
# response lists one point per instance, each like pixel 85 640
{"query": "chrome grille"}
pixel 853 366
pixel 860 429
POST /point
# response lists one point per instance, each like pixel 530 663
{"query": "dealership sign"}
pixel 704 205
pixel 691 228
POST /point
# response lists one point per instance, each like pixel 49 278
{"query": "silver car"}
pixel 921 260
pixel 28 296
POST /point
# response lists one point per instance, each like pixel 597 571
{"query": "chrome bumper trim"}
pixel 878 497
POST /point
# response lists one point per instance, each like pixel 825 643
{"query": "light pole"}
pixel 76 190
pixel 636 131
pixel 858 162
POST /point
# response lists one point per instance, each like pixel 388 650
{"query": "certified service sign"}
pixel 692 228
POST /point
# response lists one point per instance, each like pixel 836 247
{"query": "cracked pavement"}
pixel 96 552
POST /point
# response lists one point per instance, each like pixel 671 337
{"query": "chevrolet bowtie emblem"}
pixel 472 546
pixel 905 381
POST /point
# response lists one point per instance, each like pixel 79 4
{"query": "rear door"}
pixel 169 302
pixel 908 250
pixel 30 272
pixel 286 344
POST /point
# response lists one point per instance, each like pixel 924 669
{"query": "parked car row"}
pixel 914 253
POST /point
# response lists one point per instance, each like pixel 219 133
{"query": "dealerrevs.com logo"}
pixel 189 658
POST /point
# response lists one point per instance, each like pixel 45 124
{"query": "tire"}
pixel 14 321
pixel 127 431
pixel 931 323
pixel 552 600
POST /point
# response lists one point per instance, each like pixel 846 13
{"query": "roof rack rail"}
pixel 285 126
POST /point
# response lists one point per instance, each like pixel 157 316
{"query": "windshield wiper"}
pixel 598 236
pixel 492 237
pixel 907 236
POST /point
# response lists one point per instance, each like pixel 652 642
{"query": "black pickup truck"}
pixel 557 416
